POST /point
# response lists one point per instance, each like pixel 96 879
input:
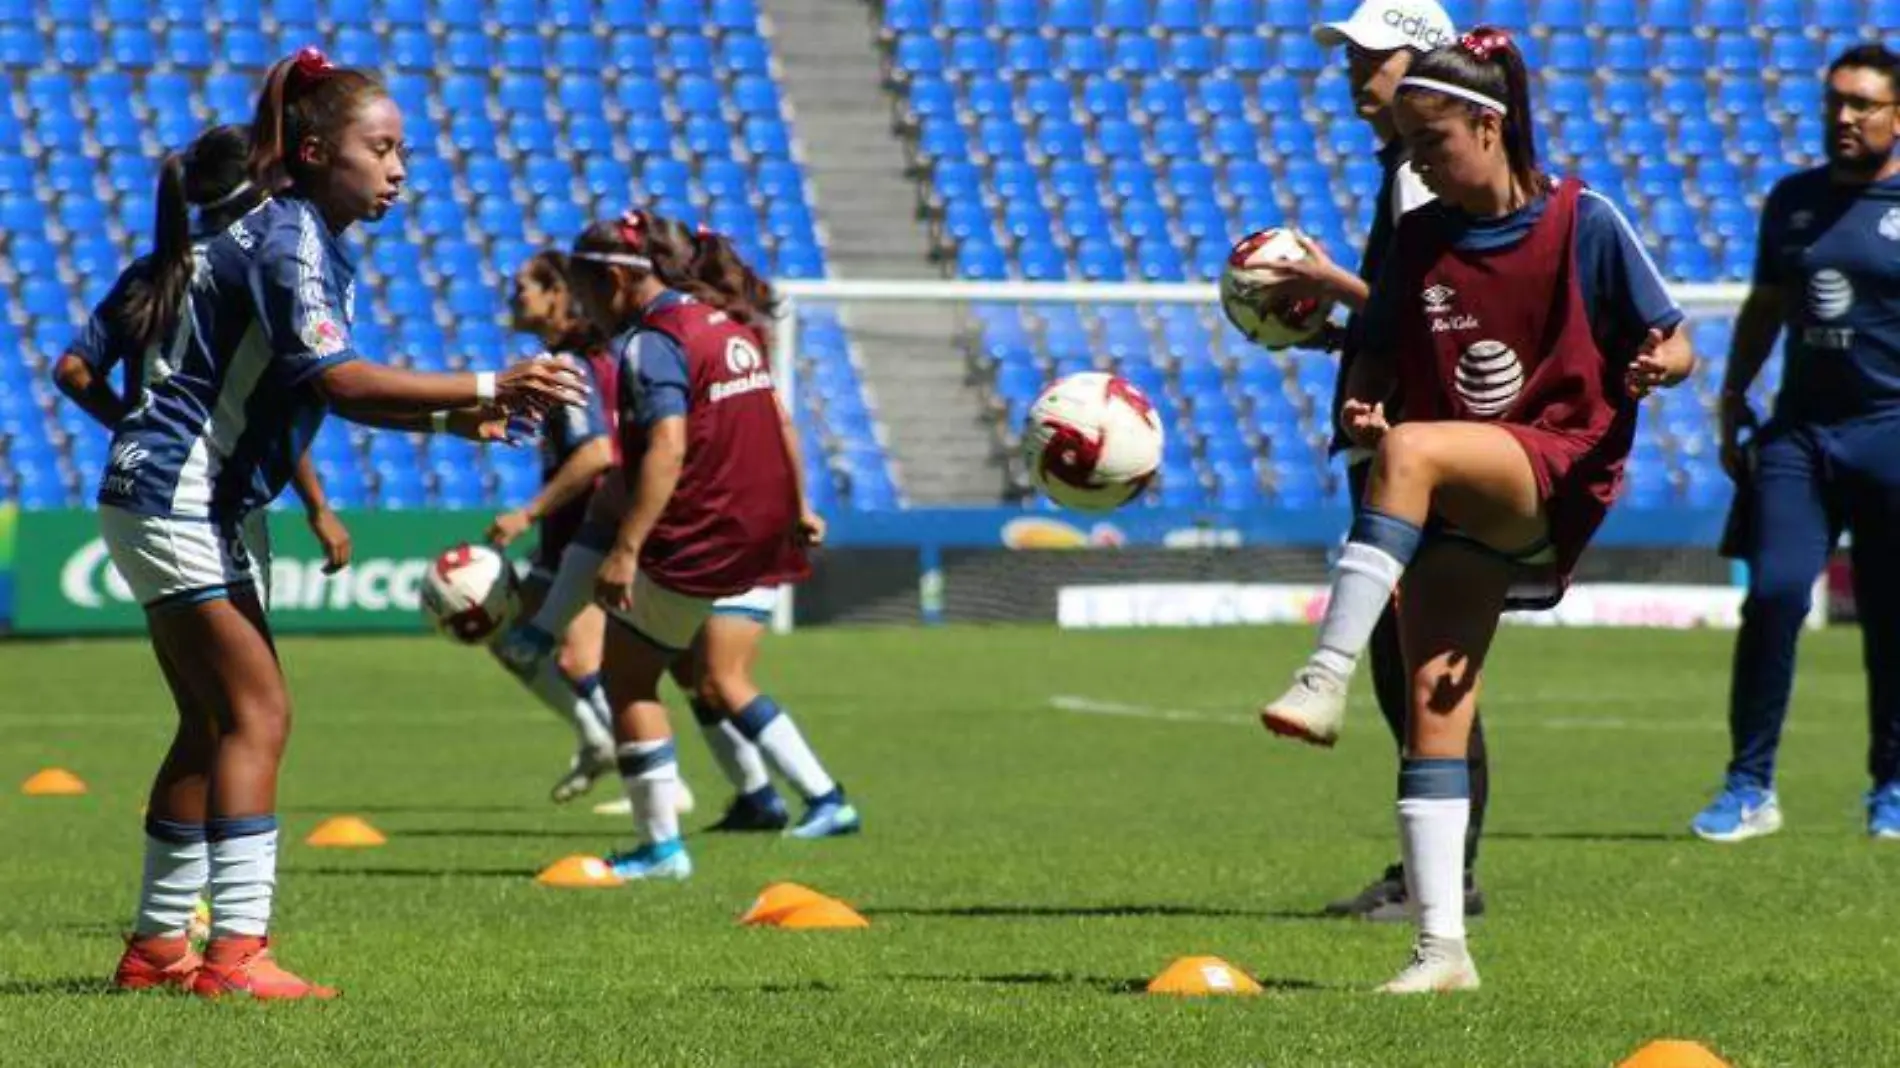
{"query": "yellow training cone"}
pixel 825 914
pixel 775 901
pixel 1674 1053
pixel 579 870
pixel 1203 975
pixel 53 782
pixel 345 831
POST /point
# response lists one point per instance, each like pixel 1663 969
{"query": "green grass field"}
pixel 1026 866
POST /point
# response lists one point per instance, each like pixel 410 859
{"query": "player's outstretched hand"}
pixel 1364 423
pixel 811 529
pixel 1317 277
pixel 508 526
pixel 613 584
pixel 487 424
pixel 333 536
pixel 539 384
pixel 1664 360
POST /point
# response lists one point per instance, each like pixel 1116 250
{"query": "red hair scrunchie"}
pixel 312 63
pixel 1485 46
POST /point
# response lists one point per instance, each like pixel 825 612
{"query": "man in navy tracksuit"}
pixel 1829 459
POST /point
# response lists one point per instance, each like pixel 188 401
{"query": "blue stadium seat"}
pixel 354 46
pixel 468 50
pixel 1683 53
pixel 412 49
pixel 77 46
pixel 131 47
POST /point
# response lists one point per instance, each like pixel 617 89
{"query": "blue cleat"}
pixel 761 810
pixel 522 648
pixel 829 816
pixel 1883 813
pixel 655 860
pixel 1741 812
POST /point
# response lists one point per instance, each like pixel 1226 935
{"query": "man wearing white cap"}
pixel 1380 39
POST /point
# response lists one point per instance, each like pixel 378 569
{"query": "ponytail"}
pixel 719 267
pixel 149 306
pixel 1485 71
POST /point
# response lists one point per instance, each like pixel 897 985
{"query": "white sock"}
pixel 1432 834
pixel 1363 581
pixel 571 590
pixel 772 729
pixel 177 866
pixel 562 695
pixel 735 754
pixel 651 773
pixel 243 875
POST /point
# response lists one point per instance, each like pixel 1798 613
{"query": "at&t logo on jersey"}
pixel 747 364
pixel 1489 378
pixel 1830 297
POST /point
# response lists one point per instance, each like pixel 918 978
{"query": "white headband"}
pixel 1459 91
pixel 618 259
pixel 241 189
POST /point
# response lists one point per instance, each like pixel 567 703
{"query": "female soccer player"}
pixel 217 188
pixel 1514 328
pixel 577 448
pixel 255 326
pixel 741 723
pixel 1830 457
pixel 1382 38
pixel 713 507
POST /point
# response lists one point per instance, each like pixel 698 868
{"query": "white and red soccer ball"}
pixel 1246 294
pixel 470 593
pixel 1093 442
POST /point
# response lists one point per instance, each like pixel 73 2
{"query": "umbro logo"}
pixel 1438 299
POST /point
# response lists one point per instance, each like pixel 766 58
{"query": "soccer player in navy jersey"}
pixel 1382 38
pixel 252 332
pixel 1828 273
pixel 1514 326
pixel 213 176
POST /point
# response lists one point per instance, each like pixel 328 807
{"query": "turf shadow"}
pixel 399 810
pixel 1101 983
pixel 495 832
pixel 1584 836
pixel 1017 912
pixel 414 873
pixel 66 987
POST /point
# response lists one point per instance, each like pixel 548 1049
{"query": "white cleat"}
pixel 583 771
pixel 1313 710
pixel 1439 966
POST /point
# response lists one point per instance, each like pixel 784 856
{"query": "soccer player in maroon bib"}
pixel 1508 340
pixel 713 504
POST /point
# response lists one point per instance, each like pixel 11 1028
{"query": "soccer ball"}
pixel 1093 442
pixel 469 593
pixel 1265 320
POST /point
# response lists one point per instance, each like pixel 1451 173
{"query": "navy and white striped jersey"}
pixel 229 402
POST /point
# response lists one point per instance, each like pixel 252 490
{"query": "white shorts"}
pixel 757 603
pixel 185 561
pixel 670 621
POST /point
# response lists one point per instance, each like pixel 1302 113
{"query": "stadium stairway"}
pixel 934 418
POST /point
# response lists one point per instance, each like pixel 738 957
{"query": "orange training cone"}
pixel 1203 975
pixel 579 870
pixel 53 782
pixel 775 901
pixel 825 914
pixel 345 831
pixel 1674 1053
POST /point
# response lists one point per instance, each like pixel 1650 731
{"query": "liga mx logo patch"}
pixel 742 357
pixel 1890 224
